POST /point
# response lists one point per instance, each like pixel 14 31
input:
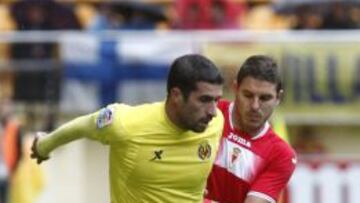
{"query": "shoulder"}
pixel 223 105
pixel 144 116
pixel 280 145
pixel 125 109
pixel 128 115
pixel 127 120
pixel 218 120
pixel 282 152
pixel 217 123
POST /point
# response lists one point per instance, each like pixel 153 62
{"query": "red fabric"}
pixel 10 145
pixel 193 14
pixel 263 165
pixel 199 14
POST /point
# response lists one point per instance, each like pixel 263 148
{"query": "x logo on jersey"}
pixel 157 155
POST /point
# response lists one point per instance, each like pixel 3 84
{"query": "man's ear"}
pixel 234 85
pixel 176 94
pixel 280 96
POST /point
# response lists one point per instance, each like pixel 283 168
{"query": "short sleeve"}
pixel 276 175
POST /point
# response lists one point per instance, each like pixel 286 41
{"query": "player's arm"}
pixel 269 184
pixel 44 143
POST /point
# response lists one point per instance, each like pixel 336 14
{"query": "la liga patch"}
pixel 105 117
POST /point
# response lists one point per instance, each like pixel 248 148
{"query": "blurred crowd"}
pixel 179 14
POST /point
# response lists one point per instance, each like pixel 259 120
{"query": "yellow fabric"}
pixel 75 129
pixel 264 18
pixel 150 159
pixel 28 180
pixel 6 22
pixel 279 126
pixel 85 13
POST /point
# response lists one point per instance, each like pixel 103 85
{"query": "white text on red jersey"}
pixel 239 140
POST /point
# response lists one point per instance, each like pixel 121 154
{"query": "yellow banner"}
pixel 318 77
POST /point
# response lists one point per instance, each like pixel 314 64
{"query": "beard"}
pixel 197 126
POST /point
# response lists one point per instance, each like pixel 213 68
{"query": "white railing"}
pixel 295 50
pixel 197 36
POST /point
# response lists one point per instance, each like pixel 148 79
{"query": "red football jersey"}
pixel 260 165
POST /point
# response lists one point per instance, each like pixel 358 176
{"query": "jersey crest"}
pixel 234 156
pixel 204 150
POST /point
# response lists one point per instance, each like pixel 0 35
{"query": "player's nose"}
pixel 212 109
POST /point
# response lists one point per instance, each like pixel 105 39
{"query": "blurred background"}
pixel 61 59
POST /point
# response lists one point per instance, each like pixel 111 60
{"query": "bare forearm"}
pixel 73 130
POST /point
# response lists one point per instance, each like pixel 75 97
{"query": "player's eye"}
pixel 266 97
pixel 248 95
pixel 207 99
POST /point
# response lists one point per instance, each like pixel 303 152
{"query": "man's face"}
pixel 254 103
pixel 200 107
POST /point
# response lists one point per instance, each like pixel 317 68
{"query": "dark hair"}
pixel 260 67
pixel 189 69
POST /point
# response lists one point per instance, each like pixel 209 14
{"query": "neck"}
pixel 172 115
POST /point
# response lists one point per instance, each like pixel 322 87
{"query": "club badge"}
pixel 234 157
pixel 204 150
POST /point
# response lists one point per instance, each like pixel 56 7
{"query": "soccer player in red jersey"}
pixel 253 165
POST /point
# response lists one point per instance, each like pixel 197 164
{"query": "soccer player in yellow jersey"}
pixel 159 152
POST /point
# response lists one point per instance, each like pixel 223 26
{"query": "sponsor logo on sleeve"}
pixel 105 117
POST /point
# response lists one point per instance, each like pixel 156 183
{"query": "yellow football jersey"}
pixel 151 160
